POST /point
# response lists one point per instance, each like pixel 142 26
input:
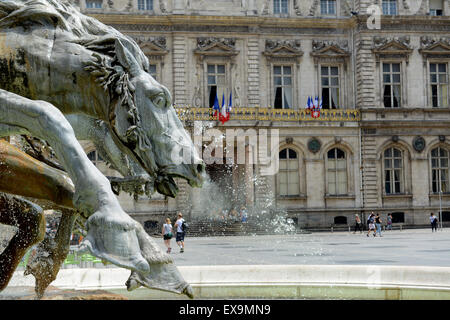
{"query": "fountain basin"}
pixel 273 282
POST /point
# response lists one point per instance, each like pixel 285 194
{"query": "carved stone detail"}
pixel 319 45
pixel 312 10
pixel 336 50
pixel 297 8
pixel 265 8
pixel 435 47
pixel 393 47
pixel 219 47
pixel 162 6
pixel 276 49
pixel 203 43
pixel 379 42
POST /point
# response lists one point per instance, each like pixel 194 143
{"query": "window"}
pixel 94 157
pixel 391 85
pixel 439 84
pixel 398 217
pixel 153 72
pixel 390 7
pixel 436 7
pixel 94 4
pixel 282 80
pixel 145 5
pixel 330 87
pixel 216 82
pixel 340 220
pixel 328 7
pixel 280 6
pixel 336 172
pixel 439 170
pixel 288 175
pixel 393 166
pixel 445 216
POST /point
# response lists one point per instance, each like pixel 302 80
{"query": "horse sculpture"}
pixel 65 76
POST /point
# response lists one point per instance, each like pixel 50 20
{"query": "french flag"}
pixel 224 115
pixel 309 103
pixel 316 108
pixel 216 107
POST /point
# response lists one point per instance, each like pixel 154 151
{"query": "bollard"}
pixel 400 227
pixel 349 229
pixel 331 229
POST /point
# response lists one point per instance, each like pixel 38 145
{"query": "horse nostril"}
pixel 200 168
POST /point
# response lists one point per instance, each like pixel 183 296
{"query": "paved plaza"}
pixel 415 247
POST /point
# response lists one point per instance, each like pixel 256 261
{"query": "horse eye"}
pixel 159 100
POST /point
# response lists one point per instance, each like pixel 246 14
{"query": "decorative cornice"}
pixel 324 49
pixel 204 43
pixel 434 47
pixel 276 49
pixel 392 47
pixel 218 47
pixel 320 45
pixel 152 46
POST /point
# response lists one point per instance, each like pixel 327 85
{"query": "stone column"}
pixel 315 189
pixel 420 182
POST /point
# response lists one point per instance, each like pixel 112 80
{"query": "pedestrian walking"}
pixel 378 224
pixel 433 221
pixel 371 224
pixel 167 234
pixel 180 232
pixel 389 222
pixel 358 225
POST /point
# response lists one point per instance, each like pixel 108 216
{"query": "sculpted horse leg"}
pixel 23 175
pixel 111 232
pixel 54 185
pixel 29 219
pixel 99 133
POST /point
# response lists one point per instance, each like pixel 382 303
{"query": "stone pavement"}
pixel 409 247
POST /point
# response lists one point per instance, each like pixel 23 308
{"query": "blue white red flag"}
pixel 309 103
pixel 224 115
pixel 216 107
pixel 316 109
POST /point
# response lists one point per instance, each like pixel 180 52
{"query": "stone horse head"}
pixel 143 121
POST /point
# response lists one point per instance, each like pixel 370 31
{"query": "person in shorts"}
pixel 167 234
pixel 371 223
pixel 180 232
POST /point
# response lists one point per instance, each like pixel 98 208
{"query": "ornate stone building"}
pixel 381 142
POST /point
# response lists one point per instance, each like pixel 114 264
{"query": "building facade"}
pixel 380 68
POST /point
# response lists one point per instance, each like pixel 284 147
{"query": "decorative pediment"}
pixel 153 47
pixel 435 47
pixel 216 47
pixel 397 47
pixel 330 50
pixel 283 49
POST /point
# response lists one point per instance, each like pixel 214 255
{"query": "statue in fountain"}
pixel 66 76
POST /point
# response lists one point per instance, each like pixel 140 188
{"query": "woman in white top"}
pixel 167 234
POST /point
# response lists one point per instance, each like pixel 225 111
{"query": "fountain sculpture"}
pixel 66 76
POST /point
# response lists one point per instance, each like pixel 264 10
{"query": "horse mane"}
pixel 100 39
pixel 86 31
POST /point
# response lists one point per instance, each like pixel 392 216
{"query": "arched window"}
pixel 336 171
pixel 288 175
pixel 439 170
pixel 393 171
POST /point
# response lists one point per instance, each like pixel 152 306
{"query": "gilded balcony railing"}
pixel 268 114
